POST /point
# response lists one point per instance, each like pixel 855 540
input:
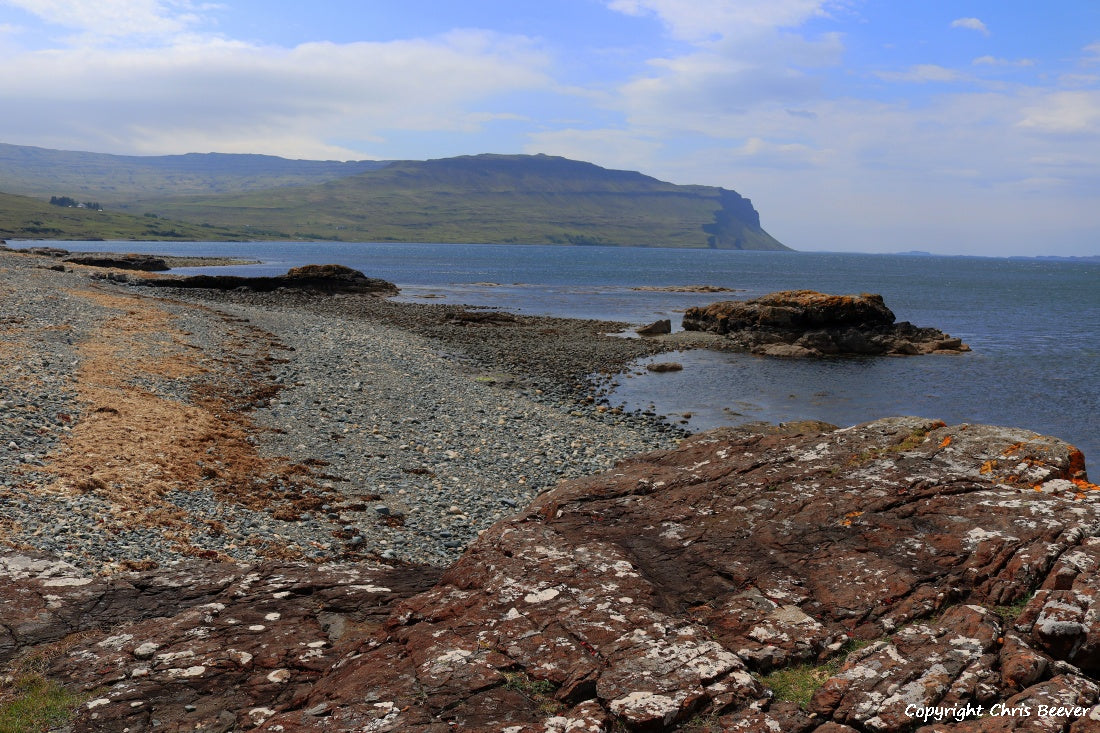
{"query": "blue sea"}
pixel 1033 324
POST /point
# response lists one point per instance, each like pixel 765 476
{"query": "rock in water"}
pixel 656 328
pixel 141 262
pixel 808 323
pixel 317 278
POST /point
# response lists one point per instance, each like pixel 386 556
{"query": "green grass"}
pixel 799 682
pixel 39 705
pixel 493 200
pixel 22 217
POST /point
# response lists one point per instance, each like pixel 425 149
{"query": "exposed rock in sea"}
pixel 147 263
pixel 657 328
pixel 664 366
pixel 664 593
pixel 318 278
pixel 808 323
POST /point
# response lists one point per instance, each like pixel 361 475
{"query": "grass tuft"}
pixel 38 705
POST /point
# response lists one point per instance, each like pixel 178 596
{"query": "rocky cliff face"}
pixel 808 323
pixel 947 566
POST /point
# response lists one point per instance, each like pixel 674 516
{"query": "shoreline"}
pixel 243 426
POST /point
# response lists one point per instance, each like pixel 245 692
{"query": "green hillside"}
pixel 22 217
pixel 529 199
pixel 115 179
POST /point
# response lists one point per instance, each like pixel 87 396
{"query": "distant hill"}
pixel 528 199
pixel 114 179
pixel 22 217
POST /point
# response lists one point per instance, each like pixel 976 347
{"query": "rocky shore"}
pixel 290 511
pixel 139 427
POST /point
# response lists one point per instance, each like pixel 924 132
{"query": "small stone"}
pixel 146 650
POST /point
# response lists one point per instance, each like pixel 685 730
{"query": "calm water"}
pixel 1034 324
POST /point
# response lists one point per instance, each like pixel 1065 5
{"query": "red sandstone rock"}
pixel 641 599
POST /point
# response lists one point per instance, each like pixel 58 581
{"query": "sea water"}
pixel 1033 324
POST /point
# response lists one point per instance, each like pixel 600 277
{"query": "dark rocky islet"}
pixel 805 323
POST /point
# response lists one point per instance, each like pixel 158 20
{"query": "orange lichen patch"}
pixel 945 442
pixel 1077 464
pixel 850 515
pixel 987 467
pixel 1013 448
pixel 1084 484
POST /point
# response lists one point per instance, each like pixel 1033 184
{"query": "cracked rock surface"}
pixel 656 596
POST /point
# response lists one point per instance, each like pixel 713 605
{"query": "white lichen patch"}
pixel 977 535
pixel 623 569
pixel 65 582
pixel 542 596
pixel 643 706
pixel 372 588
pixel 116 641
pixel 452 657
pixel 273 617
pixel 672 531
pixel 259 716
pixel 279 676
pixel 241 658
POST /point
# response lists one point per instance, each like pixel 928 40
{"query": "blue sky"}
pixel 857 125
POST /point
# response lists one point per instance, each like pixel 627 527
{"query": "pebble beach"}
pixel 141 425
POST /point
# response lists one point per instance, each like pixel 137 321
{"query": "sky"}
pixel 964 127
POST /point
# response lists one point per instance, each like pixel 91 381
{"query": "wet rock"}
pixel 314 278
pixel 656 328
pixel 665 366
pixel 147 263
pixel 805 323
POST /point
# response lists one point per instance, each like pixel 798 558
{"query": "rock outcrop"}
pixel 657 328
pixel 954 569
pixel 808 323
pixel 317 278
pixel 147 263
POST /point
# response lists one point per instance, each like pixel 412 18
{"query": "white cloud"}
pixel 973 24
pixel 922 74
pixel 1064 113
pixel 259 99
pixel 695 20
pixel 112 19
pixel 994 61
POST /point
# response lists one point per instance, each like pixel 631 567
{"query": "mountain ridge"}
pixel 488 198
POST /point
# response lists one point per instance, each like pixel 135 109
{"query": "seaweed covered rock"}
pixel 316 278
pixel 140 262
pixel 808 323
